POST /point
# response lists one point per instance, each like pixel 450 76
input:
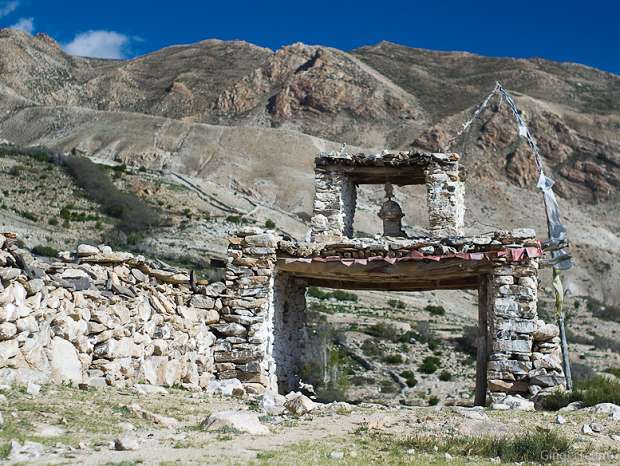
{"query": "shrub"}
pixel 590 392
pixel 270 224
pixel 53 221
pixel 46 251
pixel 409 377
pixel 371 348
pixel 28 215
pixel 317 293
pixel 387 386
pixel 344 296
pixel 384 330
pixel 613 371
pixel 394 358
pixel 234 219
pixel 429 365
pixel 396 304
pixel 445 376
pixel 435 310
pixel 425 334
pixel 433 400
pixel 133 213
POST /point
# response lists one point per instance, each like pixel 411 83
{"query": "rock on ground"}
pixel 239 420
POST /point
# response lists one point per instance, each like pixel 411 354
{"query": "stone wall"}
pixel 244 349
pixel 525 355
pixel 445 197
pixel 102 317
pixel 334 205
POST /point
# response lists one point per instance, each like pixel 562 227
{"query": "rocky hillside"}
pixel 247 120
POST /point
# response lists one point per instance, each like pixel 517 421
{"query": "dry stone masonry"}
pixel 99 317
pixel 338 175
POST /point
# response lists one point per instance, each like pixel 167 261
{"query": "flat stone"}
pixel 146 389
pixel 299 404
pixel 73 274
pixel 126 444
pixel 84 250
pixel 241 421
pixel 27 451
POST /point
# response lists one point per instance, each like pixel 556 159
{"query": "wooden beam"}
pixel 400 176
pixel 471 283
pixel 447 270
pixel 482 354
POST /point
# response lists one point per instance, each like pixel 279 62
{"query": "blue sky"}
pixel 583 32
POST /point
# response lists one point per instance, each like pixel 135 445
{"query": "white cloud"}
pixel 24 24
pixel 6 8
pixel 99 44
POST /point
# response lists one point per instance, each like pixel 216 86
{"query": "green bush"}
pixel 234 219
pixel 28 215
pixel 396 304
pixel 270 224
pixel 133 213
pixel 53 221
pixel 387 386
pixel 445 376
pixel 46 251
pixel 341 295
pixel 393 358
pixel 409 377
pixel 435 310
pixel 371 348
pixel 429 365
pixel 384 331
pixel 317 293
pixel 433 400
pixel 590 392
pixel 613 371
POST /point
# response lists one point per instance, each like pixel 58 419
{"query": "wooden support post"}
pixel 482 350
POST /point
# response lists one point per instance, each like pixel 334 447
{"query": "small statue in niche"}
pixel 391 214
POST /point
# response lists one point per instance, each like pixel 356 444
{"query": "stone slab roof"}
pixel 386 159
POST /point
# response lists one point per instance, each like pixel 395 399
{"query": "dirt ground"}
pixel 76 426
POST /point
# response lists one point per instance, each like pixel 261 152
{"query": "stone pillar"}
pixel 511 322
pixel 334 206
pixel 244 339
pixel 445 199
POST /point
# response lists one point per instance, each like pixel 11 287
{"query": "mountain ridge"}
pixel 215 110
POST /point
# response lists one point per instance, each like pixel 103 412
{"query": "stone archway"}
pixel 267 276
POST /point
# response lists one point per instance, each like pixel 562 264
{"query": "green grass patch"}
pixel 435 310
pixel 539 447
pixel 45 251
pixel 589 391
pixel 429 365
pixel 396 304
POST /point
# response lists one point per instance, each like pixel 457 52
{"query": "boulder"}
pixel 605 408
pixel 126 443
pixel 241 421
pixel 272 403
pixel 224 387
pixel 84 250
pixel 7 330
pixel 517 403
pixel 65 361
pixel 299 404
